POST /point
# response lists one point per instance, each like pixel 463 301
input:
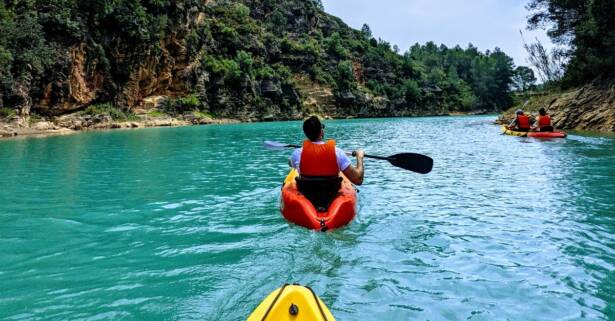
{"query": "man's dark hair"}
pixel 312 128
pixel 542 112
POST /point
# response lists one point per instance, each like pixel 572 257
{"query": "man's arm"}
pixel 355 174
pixel 294 158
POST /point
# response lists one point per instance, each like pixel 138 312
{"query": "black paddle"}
pixel 411 161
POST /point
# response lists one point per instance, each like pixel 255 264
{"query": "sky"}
pixel 484 23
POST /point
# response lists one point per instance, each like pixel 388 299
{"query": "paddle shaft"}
pixel 350 153
pixel 410 161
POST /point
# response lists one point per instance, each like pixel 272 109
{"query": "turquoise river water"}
pixel 183 224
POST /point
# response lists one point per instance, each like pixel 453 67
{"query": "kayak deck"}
pixel 296 208
pixel 553 134
pixel 292 302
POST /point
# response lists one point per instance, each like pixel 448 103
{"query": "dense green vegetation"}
pixel 230 57
pixel 109 110
pixel 586 28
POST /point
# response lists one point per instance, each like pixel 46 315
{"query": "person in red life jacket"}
pixel 319 164
pixel 543 123
pixel 318 158
pixel 521 123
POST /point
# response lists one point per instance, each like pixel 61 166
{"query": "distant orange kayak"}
pixel 553 134
pixel 297 209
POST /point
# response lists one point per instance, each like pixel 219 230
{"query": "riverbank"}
pixel 72 123
pixel 588 108
pixel 41 126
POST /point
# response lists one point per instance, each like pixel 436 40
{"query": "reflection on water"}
pixel 182 223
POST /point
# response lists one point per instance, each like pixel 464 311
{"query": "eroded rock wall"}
pixel 591 107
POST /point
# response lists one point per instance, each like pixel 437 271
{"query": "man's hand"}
pixel 359 153
pixel 355 174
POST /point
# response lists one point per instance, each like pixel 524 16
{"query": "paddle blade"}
pixel 413 162
pixel 275 145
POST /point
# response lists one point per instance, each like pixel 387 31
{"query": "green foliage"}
pixel 108 109
pixel 523 78
pixel 265 72
pixel 278 21
pixel 549 64
pixel 412 90
pixel 203 114
pixel 345 75
pixel 366 31
pixel 233 43
pixel 321 76
pixel 587 28
pixel 275 71
pixel 335 47
pixel 7 113
pixel 240 12
pixel 227 69
pixel 245 61
pixel 467 99
pixel 156 113
pixel 178 106
pixel 453 78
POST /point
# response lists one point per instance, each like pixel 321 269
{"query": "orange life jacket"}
pixel 523 122
pixel 544 121
pixel 318 159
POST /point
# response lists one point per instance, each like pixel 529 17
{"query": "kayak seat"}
pixel 546 129
pixel 320 191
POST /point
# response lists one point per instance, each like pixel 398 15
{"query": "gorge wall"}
pixel 248 59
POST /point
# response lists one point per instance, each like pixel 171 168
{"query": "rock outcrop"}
pixel 243 59
pixel 590 107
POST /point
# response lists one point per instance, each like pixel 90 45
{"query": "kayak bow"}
pixel 292 302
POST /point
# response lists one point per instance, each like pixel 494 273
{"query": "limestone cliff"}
pixel 590 107
pixel 244 59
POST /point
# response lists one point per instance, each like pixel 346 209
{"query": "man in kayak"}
pixel 521 123
pixel 318 158
pixel 319 164
pixel 543 123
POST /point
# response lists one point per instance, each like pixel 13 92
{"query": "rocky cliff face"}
pixel 244 59
pixel 113 69
pixel 105 65
pixel 591 107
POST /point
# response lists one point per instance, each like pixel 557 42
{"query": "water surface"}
pixel 183 224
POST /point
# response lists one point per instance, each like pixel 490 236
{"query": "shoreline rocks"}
pixel 590 107
pixel 76 123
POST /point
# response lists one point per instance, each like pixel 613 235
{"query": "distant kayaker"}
pixel 319 159
pixel 543 123
pixel 521 122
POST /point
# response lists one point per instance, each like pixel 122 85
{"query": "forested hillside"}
pixel 581 95
pixel 248 59
pixel 586 29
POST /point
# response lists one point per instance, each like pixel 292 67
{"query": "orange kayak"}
pixel 553 134
pixel 297 209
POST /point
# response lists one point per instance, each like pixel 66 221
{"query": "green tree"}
pixel 523 78
pixel 412 90
pixel 278 20
pixel 366 31
pixel 319 4
pixel 587 28
pixel 345 75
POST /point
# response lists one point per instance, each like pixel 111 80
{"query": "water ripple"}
pixel 183 224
